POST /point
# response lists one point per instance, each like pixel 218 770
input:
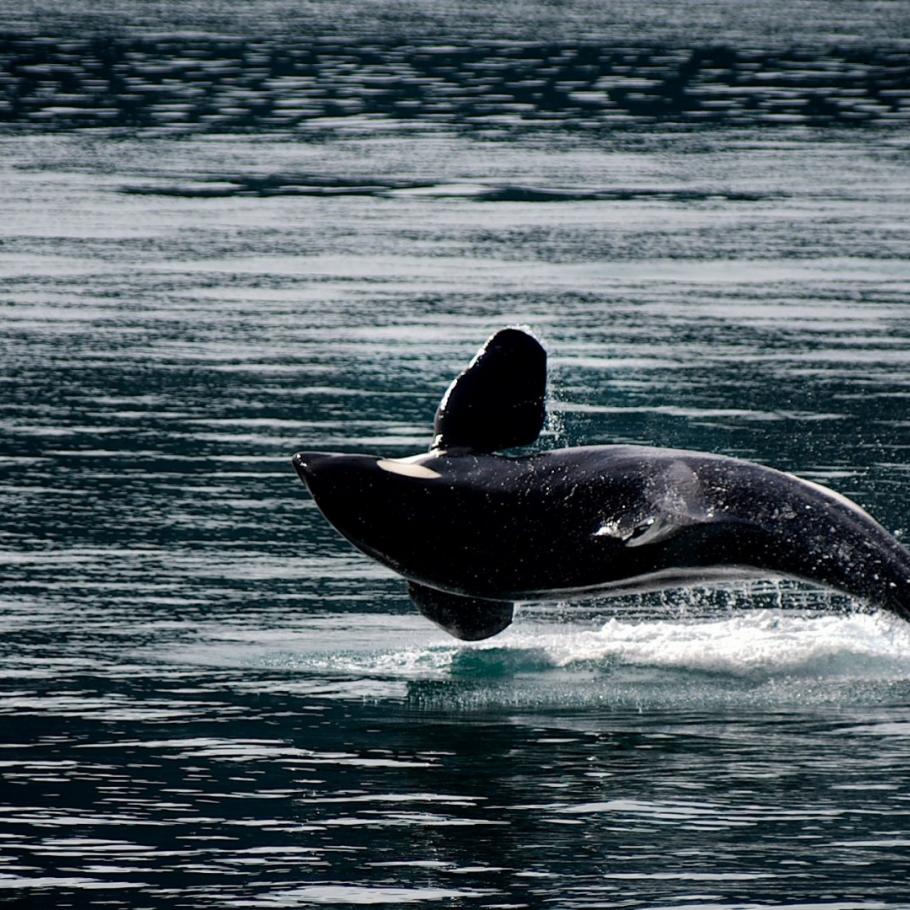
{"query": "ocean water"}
pixel 230 234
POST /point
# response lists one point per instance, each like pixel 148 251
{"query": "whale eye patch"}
pixel 407 469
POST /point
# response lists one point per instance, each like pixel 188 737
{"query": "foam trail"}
pixel 751 646
pixel 760 644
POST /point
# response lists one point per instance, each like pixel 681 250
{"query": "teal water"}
pixel 228 236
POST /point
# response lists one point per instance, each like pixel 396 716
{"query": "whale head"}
pixel 401 511
pixel 391 508
pixel 379 504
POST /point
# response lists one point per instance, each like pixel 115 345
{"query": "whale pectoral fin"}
pixel 660 528
pixel 678 504
pixel 498 401
pixel 467 618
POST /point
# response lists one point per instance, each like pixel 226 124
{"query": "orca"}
pixel 473 531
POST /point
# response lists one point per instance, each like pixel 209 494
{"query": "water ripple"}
pixel 209 83
pixel 220 248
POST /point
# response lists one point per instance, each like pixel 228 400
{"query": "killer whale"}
pixel 473 531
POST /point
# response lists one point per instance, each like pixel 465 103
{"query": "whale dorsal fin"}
pixel 467 618
pixel 498 400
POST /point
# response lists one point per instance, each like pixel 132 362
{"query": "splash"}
pixel 756 645
pixel 760 655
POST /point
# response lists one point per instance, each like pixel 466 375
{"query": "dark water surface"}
pixel 227 235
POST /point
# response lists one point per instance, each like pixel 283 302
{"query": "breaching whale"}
pixel 473 531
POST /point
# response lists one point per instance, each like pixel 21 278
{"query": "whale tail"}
pixel 498 400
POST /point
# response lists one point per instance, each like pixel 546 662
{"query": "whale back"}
pixel 498 400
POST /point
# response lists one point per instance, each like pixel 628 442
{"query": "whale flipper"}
pixel 467 618
pixel 498 400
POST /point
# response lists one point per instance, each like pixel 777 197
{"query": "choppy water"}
pixel 226 236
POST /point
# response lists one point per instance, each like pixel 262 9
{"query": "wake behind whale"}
pixel 473 531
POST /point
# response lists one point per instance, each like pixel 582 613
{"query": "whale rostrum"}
pixel 473 531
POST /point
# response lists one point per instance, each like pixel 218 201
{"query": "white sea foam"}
pixel 762 643
pixel 750 646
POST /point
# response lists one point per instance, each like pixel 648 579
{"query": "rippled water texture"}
pixel 227 235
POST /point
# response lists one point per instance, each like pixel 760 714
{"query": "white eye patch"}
pixel 407 468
